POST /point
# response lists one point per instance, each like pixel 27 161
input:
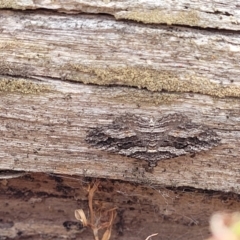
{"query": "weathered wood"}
pixel 41 206
pixel 46 113
pixel 46 132
pixel 81 48
pixel 205 14
pixel 105 52
pixel 51 136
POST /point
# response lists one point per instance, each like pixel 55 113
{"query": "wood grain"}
pixel 205 14
pixel 46 132
pixel 102 51
pixel 78 65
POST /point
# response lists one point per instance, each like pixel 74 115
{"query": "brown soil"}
pixel 41 206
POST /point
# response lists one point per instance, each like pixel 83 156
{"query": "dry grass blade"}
pixel 90 201
pixel 96 217
pixel 92 214
pixel 80 215
pixel 152 235
pixel 107 234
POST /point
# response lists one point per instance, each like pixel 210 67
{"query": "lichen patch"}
pixel 151 79
pixel 9 4
pixel 145 97
pixel 22 86
pixel 139 97
pixel 190 18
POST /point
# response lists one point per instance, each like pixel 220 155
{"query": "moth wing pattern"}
pixel 151 139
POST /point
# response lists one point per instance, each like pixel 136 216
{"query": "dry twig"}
pixel 95 219
pixel 152 235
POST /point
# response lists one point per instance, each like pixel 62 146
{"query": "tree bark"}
pixel 105 52
pixel 204 14
pixel 134 101
pixel 46 132
pixel 57 122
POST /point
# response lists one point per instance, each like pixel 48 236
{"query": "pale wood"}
pixel 207 14
pixel 44 122
pixel 46 132
pixel 100 50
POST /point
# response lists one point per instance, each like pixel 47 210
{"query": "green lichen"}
pixel 10 85
pixel 150 79
pixel 16 4
pixel 141 98
pixel 9 4
pixel 190 18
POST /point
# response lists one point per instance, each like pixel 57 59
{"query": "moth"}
pixel 152 139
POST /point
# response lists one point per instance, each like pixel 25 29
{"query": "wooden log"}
pixel 46 132
pixel 161 108
pixel 204 14
pixel 183 119
pixel 105 52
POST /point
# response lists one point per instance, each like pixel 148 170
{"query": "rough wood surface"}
pixel 47 114
pixel 106 52
pixel 206 14
pixel 41 206
pixel 46 132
